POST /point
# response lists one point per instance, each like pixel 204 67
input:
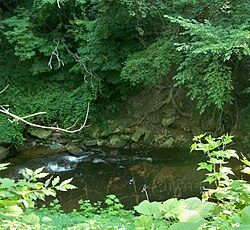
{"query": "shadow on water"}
pixel 133 176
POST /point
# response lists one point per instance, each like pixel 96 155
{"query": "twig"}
pixel 144 189
pixel 17 118
pixel 58 4
pixel 55 53
pixel 4 88
pixel 34 114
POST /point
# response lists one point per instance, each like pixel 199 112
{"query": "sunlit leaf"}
pixel 149 208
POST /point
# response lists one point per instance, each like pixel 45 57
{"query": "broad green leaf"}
pixel 47 182
pixel 245 161
pixel 246 170
pixel 50 192
pixel 185 226
pixel 143 222
pixel 7 183
pixel 3 166
pixel 31 219
pixel 28 172
pixel 41 175
pixel 193 147
pixel 245 216
pixel 198 137
pixel 172 207
pixel 46 219
pixel 55 181
pixel 13 210
pixel 210 179
pixel 217 161
pixel 191 216
pixel 226 170
pixel 231 153
pixel 8 202
pixel 66 181
pixel 204 165
pixel 39 170
pixel 149 208
pixel 227 139
pixel 6 194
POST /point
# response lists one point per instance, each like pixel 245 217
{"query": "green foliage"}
pixel 59 55
pixel 154 63
pixel 11 132
pixel 232 196
pixel 22 37
pixel 175 214
pixel 206 70
pixel 18 196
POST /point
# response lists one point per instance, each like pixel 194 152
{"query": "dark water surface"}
pixel 131 175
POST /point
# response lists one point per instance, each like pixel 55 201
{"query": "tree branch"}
pixel 17 118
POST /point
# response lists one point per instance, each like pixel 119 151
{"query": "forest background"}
pixel 58 56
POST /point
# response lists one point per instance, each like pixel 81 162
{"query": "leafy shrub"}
pixel 18 196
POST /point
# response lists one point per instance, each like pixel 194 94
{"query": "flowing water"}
pixel 131 175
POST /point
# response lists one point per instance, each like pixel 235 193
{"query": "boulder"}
pixel 167 144
pixel 137 135
pixel 102 142
pixel 90 143
pixel 56 146
pixel 118 142
pixel 167 121
pixel 3 153
pixel 74 149
pixel 149 137
pixel 40 133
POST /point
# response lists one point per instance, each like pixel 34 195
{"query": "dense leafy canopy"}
pixel 58 55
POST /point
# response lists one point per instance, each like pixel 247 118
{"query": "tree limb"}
pixel 17 118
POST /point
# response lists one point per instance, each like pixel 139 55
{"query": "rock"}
pixel 168 143
pixel 90 143
pixel 209 125
pixel 74 149
pixel 95 132
pixel 56 146
pixel 40 133
pixel 167 121
pixel 102 143
pixel 149 137
pixel 7 152
pixel 125 137
pixel 3 153
pixel 118 142
pixel 137 135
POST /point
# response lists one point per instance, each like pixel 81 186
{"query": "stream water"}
pixel 131 175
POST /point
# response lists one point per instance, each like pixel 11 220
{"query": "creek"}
pixel 132 175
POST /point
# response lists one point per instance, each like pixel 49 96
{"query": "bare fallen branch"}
pixel 22 119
